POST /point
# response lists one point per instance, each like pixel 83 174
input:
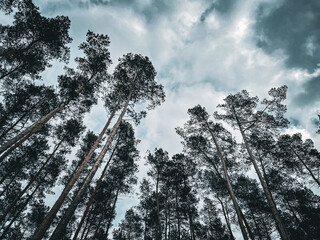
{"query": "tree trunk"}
pixel 235 204
pixel 49 218
pixel 10 150
pixel 19 212
pixel 94 194
pixel 145 226
pixel 98 226
pixel 35 127
pixel 15 141
pixel 113 210
pixel 226 217
pixel 266 230
pixel 88 225
pixel 178 215
pixel 193 237
pixel 61 228
pixel 158 211
pixel 30 182
pixel 306 166
pixel 281 228
pixel 166 217
pixel 256 224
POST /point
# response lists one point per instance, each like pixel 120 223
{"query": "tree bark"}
pixel 49 218
pixel 19 212
pixel 158 211
pixel 35 127
pixel 306 166
pixel 113 210
pixel 60 229
pixel 30 182
pixel 281 228
pixel 93 194
pixel 226 217
pixel 235 204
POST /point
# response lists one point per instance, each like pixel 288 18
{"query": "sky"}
pixel 204 50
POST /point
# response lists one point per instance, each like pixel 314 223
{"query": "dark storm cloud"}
pixel 311 92
pixel 293 27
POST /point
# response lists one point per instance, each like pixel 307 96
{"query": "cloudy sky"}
pixel 203 50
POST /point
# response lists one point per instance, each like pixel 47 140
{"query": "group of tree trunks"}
pixel 264 184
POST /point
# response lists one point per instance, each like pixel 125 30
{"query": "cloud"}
pixel 292 27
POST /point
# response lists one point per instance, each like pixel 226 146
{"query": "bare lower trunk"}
pixel 30 182
pixel 306 166
pixel 235 204
pixel 158 211
pixel 19 212
pixel 113 210
pixel 226 217
pixel 281 228
pixel 93 194
pixel 193 237
pixel 49 218
pixel 178 215
pixel 35 127
pixel 30 130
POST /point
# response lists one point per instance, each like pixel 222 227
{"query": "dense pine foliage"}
pixel 262 185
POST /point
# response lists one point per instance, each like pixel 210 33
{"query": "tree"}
pixel 130 228
pixel 214 229
pixel 199 124
pixel 299 157
pixel 66 134
pixel 135 80
pixel 240 112
pixel 28 46
pixel 157 163
pixel 76 87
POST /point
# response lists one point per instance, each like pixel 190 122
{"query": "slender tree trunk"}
pixel 84 236
pixel 306 166
pixel 230 194
pixel 113 210
pixel 11 71
pixel 247 225
pixel 94 193
pixel 11 180
pixel 193 237
pixel 145 226
pixel 30 182
pixel 281 228
pixel 158 211
pixel 35 127
pixel 166 217
pixel 98 226
pixel 240 220
pixel 266 230
pixel 10 150
pixel 88 225
pixel 226 217
pixel 30 130
pixel 256 224
pixel 49 218
pixel 178 215
pixel 19 212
